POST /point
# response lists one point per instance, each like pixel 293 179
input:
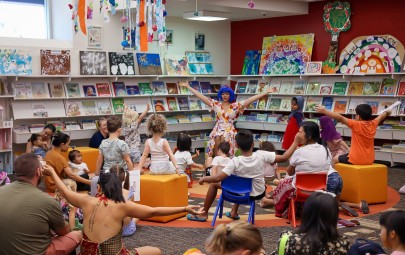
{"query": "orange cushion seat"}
pixel 164 191
pixel 89 156
pixel 364 182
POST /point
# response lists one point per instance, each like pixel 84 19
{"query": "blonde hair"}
pixel 129 116
pixel 234 236
pixel 156 124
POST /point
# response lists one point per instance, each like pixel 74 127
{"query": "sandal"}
pixel 364 207
pixel 228 214
pixel 348 210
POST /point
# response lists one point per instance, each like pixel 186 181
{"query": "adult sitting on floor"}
pixel 27 215
pixel 57 161
pixel 105 214
pixel 100 135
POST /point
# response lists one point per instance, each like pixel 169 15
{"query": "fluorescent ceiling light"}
pixel 205 16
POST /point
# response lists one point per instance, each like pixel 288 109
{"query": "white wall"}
pixel 217 38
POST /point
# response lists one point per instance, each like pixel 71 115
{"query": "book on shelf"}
pixel 252 117
pixel 132 90
pixel 340 105
pixel 195 118
pixel 72 125
pixel 339 88
pixel 253 105
pixel 172 104
pixel 261 117
pixel 205 87
pixel 325 89
pixel 275 87
pixel 385 104
pixel 275 104
pixel 58 125
pixel 89 107
pixel 72 89
pixel 182 119
pixel 354 102
pixel 21 129
pixel 298 87
pixel 184 90
pixel 252 86
pixel 241 87
pixel 313 88
pixel 262 103
pixel 103 89
pixel 73 108
pixel 274 138
pixel 171 120
pixel 3 88
pixel 39 110
pixel 286 87
pixel 89 90
pixel 159 88
pixel 389 87
pixel 401 108
pixel 207 117
pixel 119 88
pixel 355 88
pixel 374 105
pixel 285 104
pixel 274 118
pixel 215 88
pixel 242 117
pixel 57 90
pixel 371 88
pixel 172 88
pixel 104 107
pixel 215 98
pixel 23 90
pixel 39 90
pixel 311 103
pixel 36 128
pixel 145 88
pixel 328 103
pixel 195 104
pixel 262 87
pixel 88 124
pixel 118 105
pixel 159 104
pixel 401 90
pixel 195 85
pixel 183 103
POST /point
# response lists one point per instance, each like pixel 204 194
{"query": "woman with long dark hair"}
pixel 318 234
pixel 393 231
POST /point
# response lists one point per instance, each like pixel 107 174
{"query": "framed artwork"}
pixel 94 37
pixel 169 37
pixel 199 41
pixel 314 67
pixel 149 63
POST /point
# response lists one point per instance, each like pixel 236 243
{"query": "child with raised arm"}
pixel 363 133
pixel 294 121
pixel 131 121
pixel 158 147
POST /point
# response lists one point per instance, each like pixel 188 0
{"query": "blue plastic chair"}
pixel 236 190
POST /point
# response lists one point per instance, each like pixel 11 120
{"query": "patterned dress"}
pixel 224 126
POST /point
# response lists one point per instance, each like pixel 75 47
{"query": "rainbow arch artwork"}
pixel 372 54
pixel 286 54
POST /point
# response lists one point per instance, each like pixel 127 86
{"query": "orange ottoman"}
pixel 364 182
pixel 164 191
pixel 89 156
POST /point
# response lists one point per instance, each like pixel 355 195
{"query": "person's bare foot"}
pixel 266 203
pixel 276 182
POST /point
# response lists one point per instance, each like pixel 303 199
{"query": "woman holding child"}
pixel 226 114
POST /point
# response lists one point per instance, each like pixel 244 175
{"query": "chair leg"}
pixel 252 212
pixel 291 212
pixel 219 208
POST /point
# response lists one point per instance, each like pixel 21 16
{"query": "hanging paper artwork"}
pixel 55 62
pixel 81 13
pixel 15 62
pixel 372 54
pixel 251 62
pixel 149 63
pixel 286 54
pixel 90 5
pixel 176 65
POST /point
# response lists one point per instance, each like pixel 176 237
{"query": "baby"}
pixel 79 167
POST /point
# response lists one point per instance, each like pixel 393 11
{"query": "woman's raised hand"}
pixel 47 169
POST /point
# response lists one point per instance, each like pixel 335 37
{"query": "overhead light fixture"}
pixel 205 16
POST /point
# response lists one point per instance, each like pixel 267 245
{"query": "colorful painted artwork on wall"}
pixel 286 54
pixel 55 62
pixel 149 63
pixel 15 62
pixel 199 62
pixel 372 54
pixel 176 65
pixel 121 63
pixel 251 63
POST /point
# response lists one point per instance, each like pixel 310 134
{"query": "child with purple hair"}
pixel 333 139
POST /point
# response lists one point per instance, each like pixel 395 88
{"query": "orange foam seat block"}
pixel 164 191
pixel 89 156
pixel 364 182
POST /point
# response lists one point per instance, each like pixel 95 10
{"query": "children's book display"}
pixel 39 90
pixel 89 90
pixel 57 90
pixel 159 104
pixel 118 105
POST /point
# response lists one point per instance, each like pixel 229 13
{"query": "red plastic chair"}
pixel 305 184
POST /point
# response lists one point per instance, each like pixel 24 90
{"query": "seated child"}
pixel 269 169
pixel 183 156
pixel 80 168
pixel 219 162
pixel 158 147
pixel 37 146
pixel 72 214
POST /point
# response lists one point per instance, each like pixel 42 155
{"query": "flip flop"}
pixel 364 207
pixel 195 218
pixel 349 211
pixel 228 214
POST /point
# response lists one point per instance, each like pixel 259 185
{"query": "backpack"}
pixel 365 247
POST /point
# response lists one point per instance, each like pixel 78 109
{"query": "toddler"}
pixel 219 162
pixel 269 169
pixel 294 121
pixel 183 156
pixel 158 147
pixel 80 168
pixel 131 122
pixel 37 146
pixel 72 214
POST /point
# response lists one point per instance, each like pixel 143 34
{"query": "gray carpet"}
pixel 175 241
